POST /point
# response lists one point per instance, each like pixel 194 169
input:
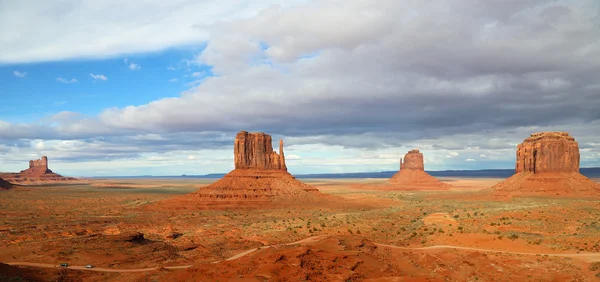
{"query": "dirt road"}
pixel 591 257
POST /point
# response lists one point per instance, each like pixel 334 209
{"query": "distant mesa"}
pixel 412 175
pixel 548 165
pixel 260 176
pixel 38 171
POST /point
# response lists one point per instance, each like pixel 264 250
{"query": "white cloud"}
pixel 20 74
pixel 343 80
pixel 97 77
pixel 173 80
pixel 162 25
pixel 470 160
pixel 66 81
pixel 171 68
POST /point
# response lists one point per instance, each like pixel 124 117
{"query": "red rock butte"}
pixel 38 171
pixel 547 164
pixel 412 175
pixel 260 176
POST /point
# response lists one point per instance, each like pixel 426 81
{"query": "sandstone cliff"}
pixel 37 167
pixel 255 150
pixel 412 175
pixel 412 160
pixel 260 179
pixel 547 164
pixel 38 172
pixel 548 152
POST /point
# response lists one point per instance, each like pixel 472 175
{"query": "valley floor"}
pixel 378 234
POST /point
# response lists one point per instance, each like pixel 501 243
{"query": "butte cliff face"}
pixel 547 164
pixel 548 152
pixel 37 167
pixel 412 175
pixel 255 151
pixel 38 171
pixel 260 178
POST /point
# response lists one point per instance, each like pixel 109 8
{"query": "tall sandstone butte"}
pixel 548 152
pixel 547 164
pixel 412 175
pixel 38 171
pixel 255 150
pixel 38 167
pixel 413 160
pixel 260 178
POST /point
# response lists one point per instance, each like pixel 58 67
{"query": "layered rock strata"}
pixel 260 176
pixel 547 164
pixel 412 175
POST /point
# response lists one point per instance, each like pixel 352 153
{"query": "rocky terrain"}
pixel 260 176
pixel 38 172
pixel 547 164
pixel 4 185
pixel 412 175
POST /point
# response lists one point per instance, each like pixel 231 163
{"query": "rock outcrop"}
pixel 260 178
pixel 37 167
pixel 255 150
pixel 413 160
pixel 547 164
pixel 5 185
pixel 412 175
pixel 548 152
pixel 38 172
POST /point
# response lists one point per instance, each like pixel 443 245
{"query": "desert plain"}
pixel 362 232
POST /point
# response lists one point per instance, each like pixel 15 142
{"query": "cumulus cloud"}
pixel 98 77
pixel 164 24
pixel 19 74
pixel 66 81
pixel 469 79
pixel 173 80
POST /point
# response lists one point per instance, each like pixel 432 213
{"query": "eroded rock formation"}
pixel 412 175
pixel 547 164
pixel 260 176
pixel 37 167
pixel 38 171
pixel 412 160
pixel 255 150
pixel 548 152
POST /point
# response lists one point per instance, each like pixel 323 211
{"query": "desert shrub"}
pixel 350 231
pixel 513 237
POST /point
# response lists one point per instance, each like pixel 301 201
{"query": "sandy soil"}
pixel 432 236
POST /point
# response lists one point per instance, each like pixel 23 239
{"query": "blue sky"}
pixel 162 87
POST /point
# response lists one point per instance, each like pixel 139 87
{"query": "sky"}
pixel 117 88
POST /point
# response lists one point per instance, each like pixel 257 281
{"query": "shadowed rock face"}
pixel 255 151
pixel 548 152
pixel 412 160
pixel 5 184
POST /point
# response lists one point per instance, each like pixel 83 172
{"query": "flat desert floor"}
pixel 379 235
